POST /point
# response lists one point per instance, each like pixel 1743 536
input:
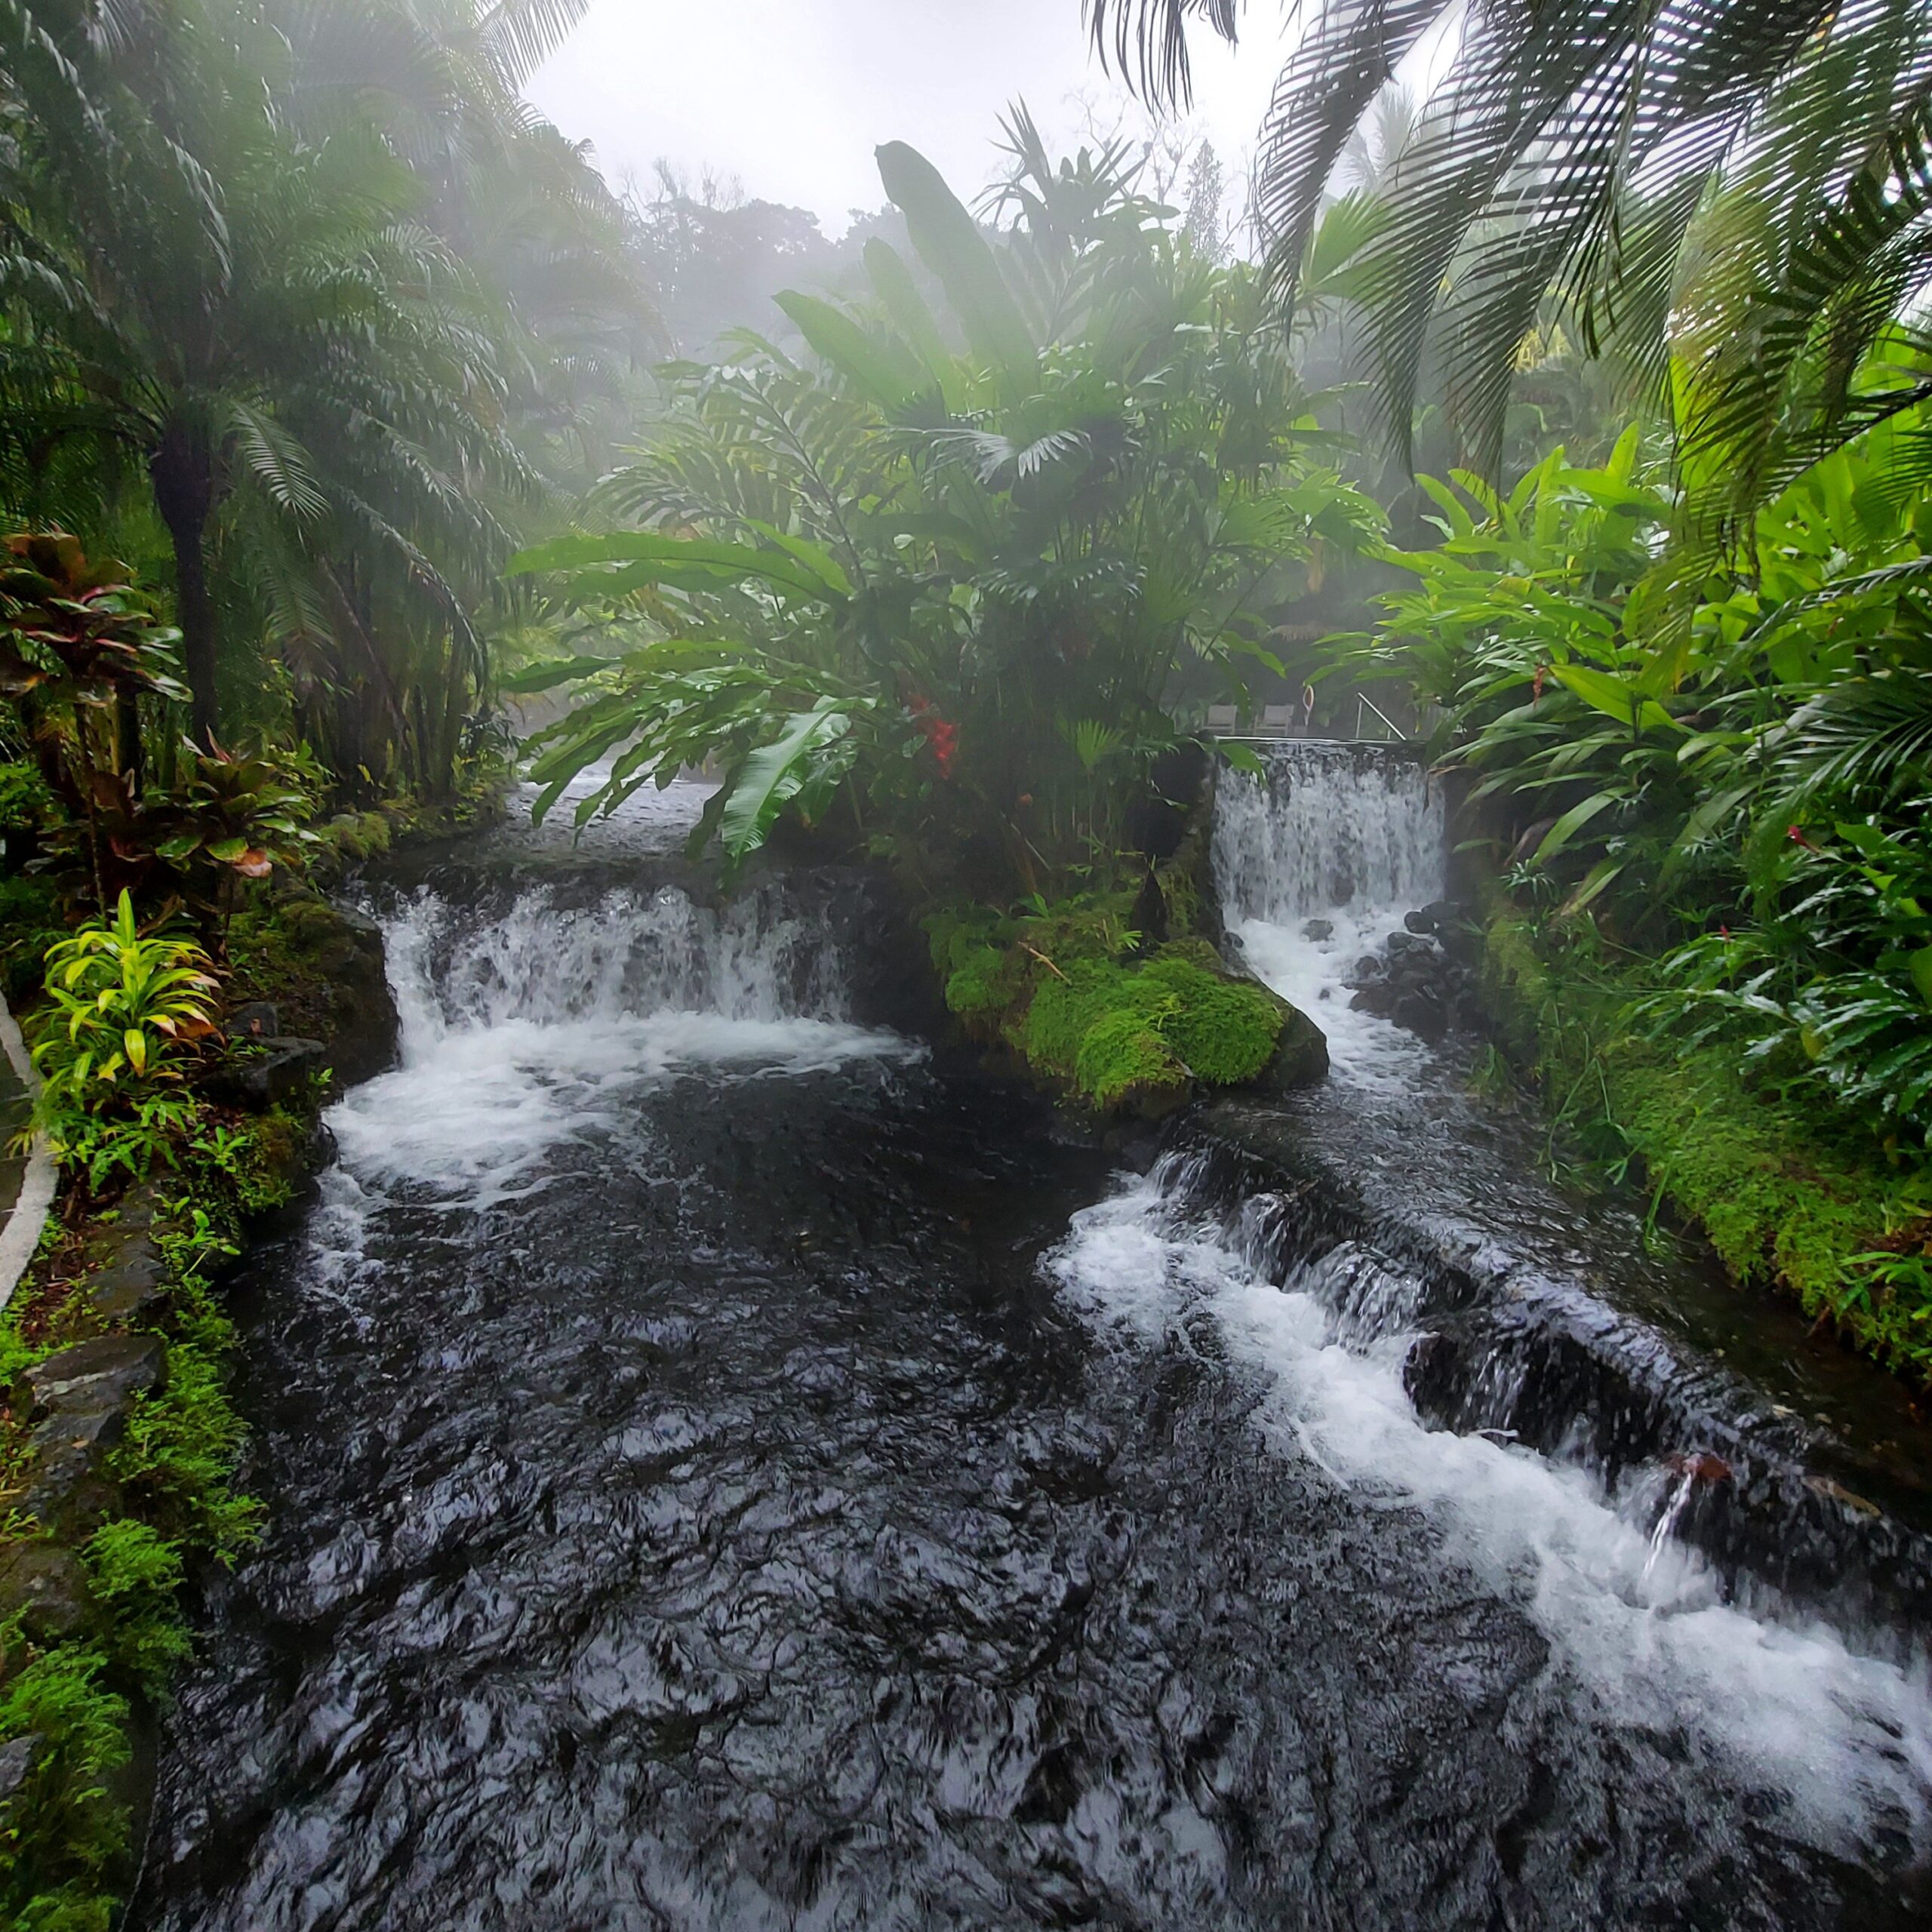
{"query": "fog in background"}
pixel 789 97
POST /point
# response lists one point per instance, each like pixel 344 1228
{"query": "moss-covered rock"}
pixel 1122 1062
pixel 1068 987
pixel 323 967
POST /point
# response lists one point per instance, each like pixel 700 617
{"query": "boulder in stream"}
pixel 342 998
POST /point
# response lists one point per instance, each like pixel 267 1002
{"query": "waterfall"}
pixel 1662 1639
pixel 1316 861
pixel 1328 828
pixel 527 1026
pixel 549 961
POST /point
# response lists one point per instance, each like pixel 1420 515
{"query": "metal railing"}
pixel 1279 724
pixel 1388 723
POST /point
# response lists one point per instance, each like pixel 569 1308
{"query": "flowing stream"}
pixel 728 1467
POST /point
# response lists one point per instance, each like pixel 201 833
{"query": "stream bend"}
pixel 726 1469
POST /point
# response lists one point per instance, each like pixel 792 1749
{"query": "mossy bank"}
pixel 119 1446
pixel 1792 1194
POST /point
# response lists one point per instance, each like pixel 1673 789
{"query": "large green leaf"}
pixel 949 243
pixel 1572 821
pixel 558 671
pixel 815 557
pixel 1921 966
pixel 892 281
pixel 882 370
pixel 1613 697
pixel 651 557
pixel 776 773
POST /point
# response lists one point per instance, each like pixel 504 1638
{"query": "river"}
pixel 729 1467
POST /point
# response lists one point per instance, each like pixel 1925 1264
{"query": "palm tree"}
pixel 316 276
pixel 1574 144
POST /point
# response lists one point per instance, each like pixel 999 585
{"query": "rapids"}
pixel 728 1468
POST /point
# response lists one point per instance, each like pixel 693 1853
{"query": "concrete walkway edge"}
pixel 21 1235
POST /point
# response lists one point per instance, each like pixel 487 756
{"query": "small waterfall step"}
pixel 1420 1220
pixel 1532 1346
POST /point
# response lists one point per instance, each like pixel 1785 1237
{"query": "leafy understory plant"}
pixel 127 1009
pixel 127 1005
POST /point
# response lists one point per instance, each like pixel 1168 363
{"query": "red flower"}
pixel 938 732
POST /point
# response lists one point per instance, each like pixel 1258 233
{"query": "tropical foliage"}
pixel 301 305
pixel 1731 196
pixel 948 575
pixel 1748 806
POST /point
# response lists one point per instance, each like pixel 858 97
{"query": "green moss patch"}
pixel 1789 1197
pixel 1063 986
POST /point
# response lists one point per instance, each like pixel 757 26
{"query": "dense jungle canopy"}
pixel 1566 396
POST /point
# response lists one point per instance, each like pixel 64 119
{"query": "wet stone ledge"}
pixel 1524 1352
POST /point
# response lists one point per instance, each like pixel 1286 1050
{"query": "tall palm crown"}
pixel 280 260
pixel 1570 142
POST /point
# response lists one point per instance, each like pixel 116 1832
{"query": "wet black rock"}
pixel 17 1758
pixel 1423 920
pixel 1422 1013
pixel 269 1073
pixel 46 1587
pixel 1318 930
pixel 1149 915
pixel 1415 982
pixel 79 1402
pixel 132 1288
pixel 107 1372
pixel 130 1279
pixel 1301 1056
pixel 69 1492
pixel 257 1020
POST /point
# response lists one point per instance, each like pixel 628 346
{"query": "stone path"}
pixel 26 1182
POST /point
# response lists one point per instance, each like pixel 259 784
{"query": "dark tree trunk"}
pixel 450 736
pixel 127 739
pixel 184 474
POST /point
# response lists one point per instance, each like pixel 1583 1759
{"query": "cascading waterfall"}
pixel 1327 828
pixel 1349 839
pixel 527 1026
pixel 688 1504
pixel 1646 1625
pixel 1316 860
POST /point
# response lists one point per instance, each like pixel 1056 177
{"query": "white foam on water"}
pixel 537 1028
pixel 1330 834
pixel 1641 1626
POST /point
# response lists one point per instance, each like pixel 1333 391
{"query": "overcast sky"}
pixel 792 95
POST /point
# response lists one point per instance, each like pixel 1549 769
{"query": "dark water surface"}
pixel 710 1487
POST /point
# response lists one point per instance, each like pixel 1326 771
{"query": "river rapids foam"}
pixel 529 1027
